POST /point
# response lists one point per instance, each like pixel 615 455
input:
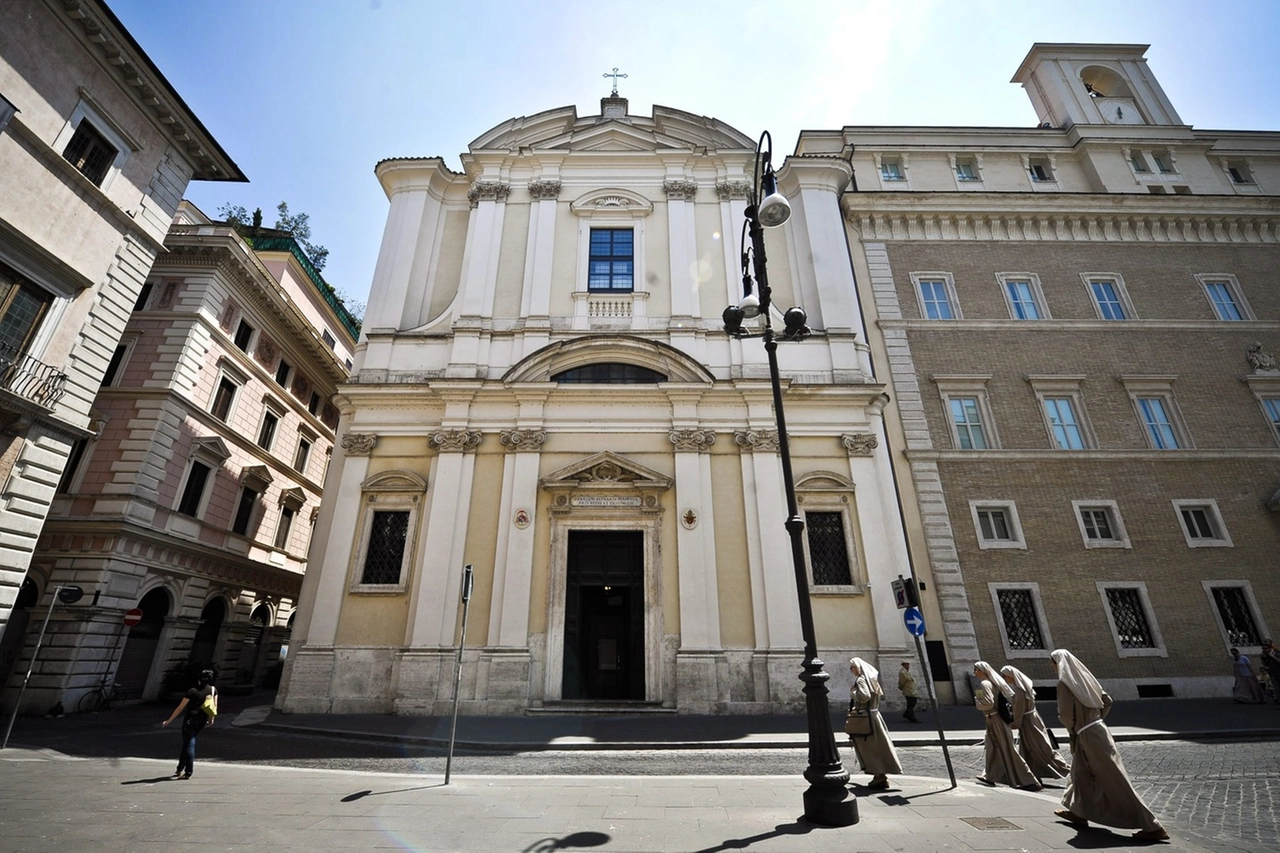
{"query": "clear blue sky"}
pixel 308 95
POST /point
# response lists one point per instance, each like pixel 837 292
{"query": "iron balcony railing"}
pixel 30 379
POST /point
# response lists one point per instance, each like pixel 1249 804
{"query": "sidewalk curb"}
pixel 961 738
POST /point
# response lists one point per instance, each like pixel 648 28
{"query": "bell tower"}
pixel 1094 84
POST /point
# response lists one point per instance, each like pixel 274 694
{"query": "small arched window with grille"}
pixel 609 373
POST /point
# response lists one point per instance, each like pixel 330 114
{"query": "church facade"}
pixel 544 392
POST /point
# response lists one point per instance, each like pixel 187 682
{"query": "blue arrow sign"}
pixel 912 618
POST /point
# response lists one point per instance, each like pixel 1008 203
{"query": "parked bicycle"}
pixel 99 698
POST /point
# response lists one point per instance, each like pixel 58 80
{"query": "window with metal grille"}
pixel 1097 524
pixel 1021 625
pixel 611 266
pixel 1236 616
pixel 609 373
pixel 388 532
pixel 1130 618
pixel 194 490
pixel 90 152
pixel 828 552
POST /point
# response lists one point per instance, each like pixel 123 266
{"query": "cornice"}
pixel 104 36
pixel 1042 218
pixel 1006 455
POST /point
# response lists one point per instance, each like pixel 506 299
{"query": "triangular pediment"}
pixel 606 470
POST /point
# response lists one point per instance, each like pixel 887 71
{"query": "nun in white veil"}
pixel 1003 763
pixel 1033 737
pixel 1100 789
pixel 876 753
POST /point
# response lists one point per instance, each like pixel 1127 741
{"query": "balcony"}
pixel 30 380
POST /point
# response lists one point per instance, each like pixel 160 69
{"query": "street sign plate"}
pixel 914 620
pixel 900 593
pixel 133 617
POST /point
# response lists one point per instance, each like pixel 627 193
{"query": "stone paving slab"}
pixel 49 802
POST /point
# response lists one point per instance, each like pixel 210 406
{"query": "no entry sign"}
pixel 133 617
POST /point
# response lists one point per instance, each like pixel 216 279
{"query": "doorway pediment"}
pixel 606 481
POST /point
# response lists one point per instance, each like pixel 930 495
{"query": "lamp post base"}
pixel 830 806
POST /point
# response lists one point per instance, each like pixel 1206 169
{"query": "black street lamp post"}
pixel 828 800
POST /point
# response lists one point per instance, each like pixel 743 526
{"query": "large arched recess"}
pixel 592 349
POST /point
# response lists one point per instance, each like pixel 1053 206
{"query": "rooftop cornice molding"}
pixel 105 37
pixel 228 254
pixel 1077 226
pixel 411 174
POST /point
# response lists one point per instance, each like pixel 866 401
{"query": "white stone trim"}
pixel 1121 535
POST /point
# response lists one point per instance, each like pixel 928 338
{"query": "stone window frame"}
pixel 389 491
pixel 270 406
pixel 971 160
pixel 1043 622
pixel 1221 537
pixel 210 452
pixel 902 161
pixel 1037 295
pixel 1052 386
pixel 948 282
pixel 828 492
pixel 1017 540
pixel 960 385
pixel 1116 280
pixel 1120 535
pixel 127 341
pixel 1258 621
pixel 236 378
pixel 1161 388
pixel 1237 294
pixel 1156 650
pixel 1267 388
pixel 91 110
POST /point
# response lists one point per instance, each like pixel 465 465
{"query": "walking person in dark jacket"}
pixel 193 721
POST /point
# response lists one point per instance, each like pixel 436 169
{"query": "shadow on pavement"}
pixel 800 827
pixel 1101 839
pixel 576 840
pixel 360 795
pixel 150 781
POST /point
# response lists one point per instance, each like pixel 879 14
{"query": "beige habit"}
pixel 1004 764
pixel 1033 737
pixel 876 753
pixel 1100 789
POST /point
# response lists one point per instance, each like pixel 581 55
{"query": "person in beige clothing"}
pixel 875 752
pixel 1003 763
pixel 1033 736
pixel 1100 789
pixel 907 684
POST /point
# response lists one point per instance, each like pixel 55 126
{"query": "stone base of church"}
pixel 498 682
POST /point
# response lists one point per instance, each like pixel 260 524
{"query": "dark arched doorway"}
pixel 15 631
pixel 140 649
pixel 255 640
pixel 205 644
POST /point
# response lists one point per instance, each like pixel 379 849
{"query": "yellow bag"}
pixel 210 704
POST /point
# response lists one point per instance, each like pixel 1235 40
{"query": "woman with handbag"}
pixel 1100 789
pixel 866 728
pixel 1034 742
pixel 201 705
pixel 1003 763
